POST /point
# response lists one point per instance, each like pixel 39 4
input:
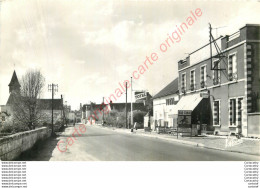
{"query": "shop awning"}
pixel 188 102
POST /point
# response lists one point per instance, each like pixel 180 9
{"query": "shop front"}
pixel 194 115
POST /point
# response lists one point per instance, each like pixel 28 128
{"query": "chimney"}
pixel 61 100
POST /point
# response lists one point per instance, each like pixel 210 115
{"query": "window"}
pixel 192 80
pixel 239 111
pixel 216 113
pixel 232 67
pixel 232 112
pixel 183 82
pixel 170 101
pixel 216 72
pixel 3 118
pixel 203 76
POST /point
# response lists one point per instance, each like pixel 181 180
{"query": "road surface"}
pixel 103 144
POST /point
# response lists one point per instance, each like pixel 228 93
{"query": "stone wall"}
pixel 12 146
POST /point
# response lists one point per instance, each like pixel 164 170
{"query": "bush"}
pixel 59 123
pixel 118 119
pixel 115 118
pixel 12 129
pixel 48 125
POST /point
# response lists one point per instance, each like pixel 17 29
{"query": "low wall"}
pixel 12 146
pixel 253 123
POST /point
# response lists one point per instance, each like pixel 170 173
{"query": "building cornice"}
pixel 223 51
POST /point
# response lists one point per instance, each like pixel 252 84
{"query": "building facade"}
pixel 164 103
pixel 229 87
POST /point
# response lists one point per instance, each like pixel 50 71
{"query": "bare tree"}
pixel 27 107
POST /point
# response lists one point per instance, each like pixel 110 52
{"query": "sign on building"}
pixel 204 94
pixel 184 118
pixel 184 122
pixel 140 95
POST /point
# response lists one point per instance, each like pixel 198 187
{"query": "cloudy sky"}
pixel 89 47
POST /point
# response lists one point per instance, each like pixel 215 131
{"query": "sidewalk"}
pixel 248 146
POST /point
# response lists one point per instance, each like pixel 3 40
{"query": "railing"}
pixel 233 36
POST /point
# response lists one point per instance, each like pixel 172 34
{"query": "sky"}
pixel 89 47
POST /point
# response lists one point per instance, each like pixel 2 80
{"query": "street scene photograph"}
pixel 129 80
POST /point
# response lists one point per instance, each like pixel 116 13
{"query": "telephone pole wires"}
pixel 52 88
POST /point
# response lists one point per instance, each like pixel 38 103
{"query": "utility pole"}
pixel 126 105
pixel 52 88
pixel 103 112
pixel 131 103
pixel 210 46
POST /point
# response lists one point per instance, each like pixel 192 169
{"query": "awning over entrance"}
pixel 188 102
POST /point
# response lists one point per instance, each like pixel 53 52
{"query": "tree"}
pixel 27 106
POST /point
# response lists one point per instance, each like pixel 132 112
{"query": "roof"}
pixel 46 104
pixel 11 99
pixel 171 88
pixel 188 102
pixel 121 106
pixel 14 80
pixel 116 106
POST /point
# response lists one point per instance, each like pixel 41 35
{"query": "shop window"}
pixel 192 80
pixel 203 76
pixel 216 111
pixel 232 67
pixel 232 112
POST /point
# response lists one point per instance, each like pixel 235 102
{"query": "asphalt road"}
pixel 104 144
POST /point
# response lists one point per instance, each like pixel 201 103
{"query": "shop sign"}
pixel 204 94
pixel 184 117
pixel 139 96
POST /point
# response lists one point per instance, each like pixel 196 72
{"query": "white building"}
pixel 163 106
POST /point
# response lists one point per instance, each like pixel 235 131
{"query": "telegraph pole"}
pixel 210 46
pixel 126 105
pixel 52 88
pixel 131 103
pixel 103 112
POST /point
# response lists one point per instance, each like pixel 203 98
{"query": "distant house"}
pixel 164 103
pixel 46 108
pixel 95 111
pixel 4 115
